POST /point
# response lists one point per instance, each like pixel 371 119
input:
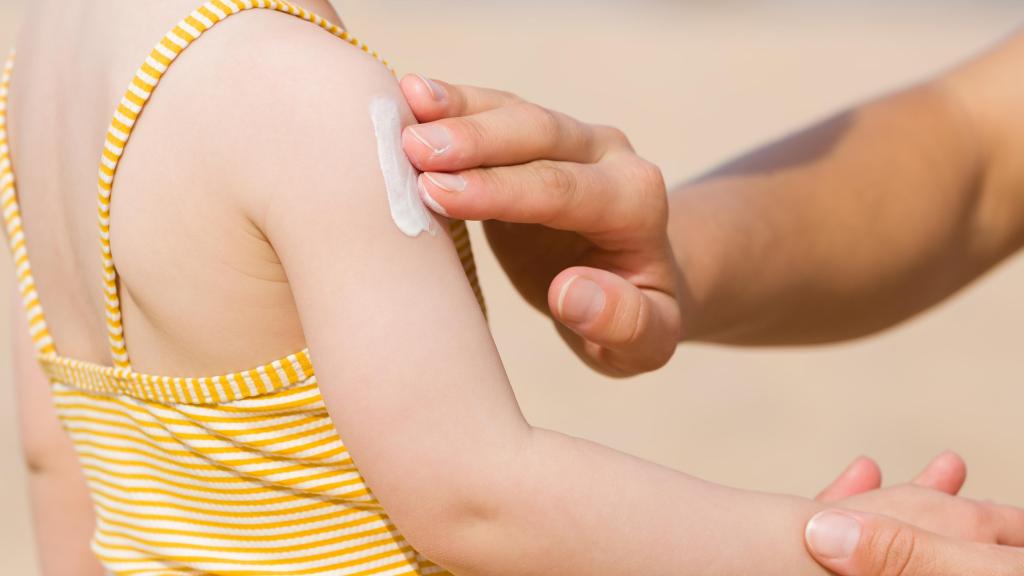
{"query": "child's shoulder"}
pixel 259 131
pixel 281 64
pixel 279 100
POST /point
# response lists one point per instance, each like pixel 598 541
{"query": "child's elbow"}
pixel 457 517
pixel 461 538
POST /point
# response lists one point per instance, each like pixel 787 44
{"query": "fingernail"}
pixel 435 137
pixel 447 182
pixel 437 92
pixel 833 535
pixel 580 300
pixel 429 200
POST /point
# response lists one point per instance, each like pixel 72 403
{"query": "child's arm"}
pixel 411 376
pixel 62 513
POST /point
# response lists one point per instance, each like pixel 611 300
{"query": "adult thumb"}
pixel 856 544
pixel 627 329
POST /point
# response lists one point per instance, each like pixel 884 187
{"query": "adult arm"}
pixel 863 220
pixel 837 231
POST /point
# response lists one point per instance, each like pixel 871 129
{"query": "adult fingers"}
pixel 563 195
pixel 628 330
pixel 857 544
pixel 559 195
pixel 513 134
pixel 946 473
pixel 862 475
pixel 432 100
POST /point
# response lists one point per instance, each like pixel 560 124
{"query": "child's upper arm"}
pixel 402 352
pixel 62 512
pixel 43 440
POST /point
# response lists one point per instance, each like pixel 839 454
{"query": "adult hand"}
pixel 854 543
pixel 860 544
pixel 582 231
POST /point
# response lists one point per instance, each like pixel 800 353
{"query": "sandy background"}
pixel 694 82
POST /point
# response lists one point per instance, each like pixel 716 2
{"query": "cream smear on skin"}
pixel 407 208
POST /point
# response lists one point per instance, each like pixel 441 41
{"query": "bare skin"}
pixel 838 231
pixel 244 291
pixel 239 241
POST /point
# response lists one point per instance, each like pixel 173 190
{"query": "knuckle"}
pixel 973 516
pixel 985 521
pixel 579 136
pixel 556 179
pixel 545 120
pixel 510 97
pixel 493 194
pixel 650 176
pixel 981 516
pixel 468 131
pixel 892 551
pixel 649 199
pixel 614 136
pixel 486 181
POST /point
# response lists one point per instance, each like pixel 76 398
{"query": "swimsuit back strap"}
pixel 131 107
pixel 41 338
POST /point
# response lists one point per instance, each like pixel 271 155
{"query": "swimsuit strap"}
pixel 15 235
pixel 120 378
pixel 131 107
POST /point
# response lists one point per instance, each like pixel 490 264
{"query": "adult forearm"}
pixel 608 513
pixel 842 229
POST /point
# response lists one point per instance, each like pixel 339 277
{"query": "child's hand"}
pixel 852 542
pixel 930 502
pixel 947 473
pixel 945 514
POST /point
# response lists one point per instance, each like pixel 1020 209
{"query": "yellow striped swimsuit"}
pixel 235 474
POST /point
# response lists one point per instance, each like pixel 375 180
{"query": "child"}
pixel 254 225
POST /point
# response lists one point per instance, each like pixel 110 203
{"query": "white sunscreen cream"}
pixel 407 209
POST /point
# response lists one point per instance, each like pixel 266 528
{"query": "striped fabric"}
pixel 235 474
pixel 15 235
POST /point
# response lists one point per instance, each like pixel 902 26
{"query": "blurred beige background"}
pixel 692 83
